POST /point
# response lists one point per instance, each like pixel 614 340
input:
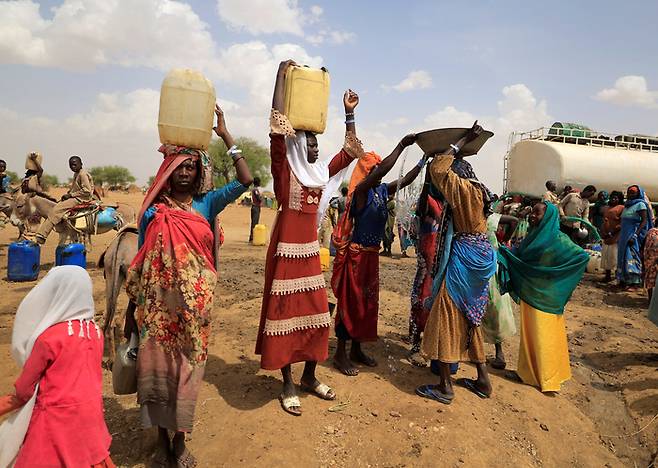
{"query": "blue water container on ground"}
pixel 71 254
pixel 23 261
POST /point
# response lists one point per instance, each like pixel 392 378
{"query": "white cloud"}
pixel 417 79
pixel 449 117
pixel 83 35
pixel 118 129
pixel 341 37
pixel 159 34
pixel 316 12
pixel 283 17
pixel 264 16
pixel 331 37
pixel 632 91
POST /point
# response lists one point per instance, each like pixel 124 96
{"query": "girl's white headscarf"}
pixel 64 294
pixel 314 175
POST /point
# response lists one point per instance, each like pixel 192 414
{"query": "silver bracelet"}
pixel 349 121
pixel 455 148
pixel 234 152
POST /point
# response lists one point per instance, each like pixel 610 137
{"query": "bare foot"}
pixel 343 364
pixel 357 354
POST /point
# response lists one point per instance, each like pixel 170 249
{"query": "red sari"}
pixel 295 321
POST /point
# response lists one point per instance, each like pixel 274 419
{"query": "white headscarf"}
pixel 314 175
pixel 64 294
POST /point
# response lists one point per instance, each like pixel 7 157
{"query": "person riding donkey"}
pixel 81 191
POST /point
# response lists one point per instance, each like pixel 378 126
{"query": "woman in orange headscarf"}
pixel 357 237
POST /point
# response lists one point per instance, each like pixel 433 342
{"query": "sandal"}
pixel 323 391
pixel 432 392
pixel 288 403
pixel 469 384
pixel 186 460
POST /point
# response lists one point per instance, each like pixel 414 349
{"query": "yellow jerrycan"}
pixel 260 234
pixel 187 109
pixel 306 98
pixel 324 258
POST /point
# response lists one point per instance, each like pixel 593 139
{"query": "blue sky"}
pixel 83 76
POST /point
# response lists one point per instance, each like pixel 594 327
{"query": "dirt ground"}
pixel 599 419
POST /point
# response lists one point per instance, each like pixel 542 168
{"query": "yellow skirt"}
pixel 543 352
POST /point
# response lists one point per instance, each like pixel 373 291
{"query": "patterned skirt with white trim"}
pixel 295 319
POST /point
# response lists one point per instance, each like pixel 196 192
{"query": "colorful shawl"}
pixel 172 280
pixel 631 239
pixel 472 263
pixel 546 267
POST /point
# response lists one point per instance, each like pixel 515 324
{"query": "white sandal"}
pixel 290 402
pixel 323 391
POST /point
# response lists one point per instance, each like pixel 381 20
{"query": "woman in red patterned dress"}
pixel 295 321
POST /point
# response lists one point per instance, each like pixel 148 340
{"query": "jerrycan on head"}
pixel 306 98
pixel 187 109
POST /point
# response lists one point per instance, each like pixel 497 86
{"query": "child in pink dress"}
pixel 59 421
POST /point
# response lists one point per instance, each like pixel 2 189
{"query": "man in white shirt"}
pixel 575 205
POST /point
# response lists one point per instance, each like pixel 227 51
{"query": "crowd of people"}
pixel 475 256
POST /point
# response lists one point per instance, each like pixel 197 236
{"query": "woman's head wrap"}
pixel 174 156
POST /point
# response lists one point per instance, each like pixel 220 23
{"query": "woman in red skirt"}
pixel 295 321
pixel 355 279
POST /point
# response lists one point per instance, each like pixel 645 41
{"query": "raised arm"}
pixel 242 171
pixel 39 170
pixel 350 101
pixel 408 178
pixel 279 85
pixel 384 167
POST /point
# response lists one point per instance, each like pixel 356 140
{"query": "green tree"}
pixel 111 175
pixel 151 179
pixel 49 180
pixel 257 157
pixel 13 177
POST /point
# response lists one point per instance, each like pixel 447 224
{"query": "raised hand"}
pixel 220 129
pixel 408 140
pixel 350 100
pixel 475 131
pixel 283 66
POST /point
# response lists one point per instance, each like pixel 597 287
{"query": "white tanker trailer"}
pixel 574 155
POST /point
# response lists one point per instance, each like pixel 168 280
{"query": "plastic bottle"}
pixel 187 109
